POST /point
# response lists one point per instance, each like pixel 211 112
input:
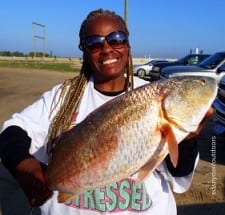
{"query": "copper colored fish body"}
pixel 129 134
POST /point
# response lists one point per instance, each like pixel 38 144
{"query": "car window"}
pixel 212 61
pixel 153 62
pixel 222 67
pixel 193 60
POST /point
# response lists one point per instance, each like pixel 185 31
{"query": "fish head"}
pixel 187 100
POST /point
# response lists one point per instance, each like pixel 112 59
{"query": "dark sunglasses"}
pixel 94 43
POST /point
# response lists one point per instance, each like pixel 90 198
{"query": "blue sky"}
pixel 158 28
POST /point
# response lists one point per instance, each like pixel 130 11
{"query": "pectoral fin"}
pixel 172 142
pixel 169 137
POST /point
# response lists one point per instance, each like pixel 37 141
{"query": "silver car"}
pixel 142 70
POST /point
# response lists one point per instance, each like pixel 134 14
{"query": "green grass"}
pixel 42 65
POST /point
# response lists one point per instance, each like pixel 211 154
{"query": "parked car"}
pixel 213 66
pixel 191 59
pixel 142 70
pixel 219 106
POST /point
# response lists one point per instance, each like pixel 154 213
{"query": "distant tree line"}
pixel 21 54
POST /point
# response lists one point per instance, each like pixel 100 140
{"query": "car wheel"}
pixel 141 73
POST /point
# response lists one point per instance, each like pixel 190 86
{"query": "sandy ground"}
pixel 19 88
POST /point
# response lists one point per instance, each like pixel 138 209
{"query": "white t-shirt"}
pixel 153 196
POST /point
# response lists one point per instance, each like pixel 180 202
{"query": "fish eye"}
pixel 202 82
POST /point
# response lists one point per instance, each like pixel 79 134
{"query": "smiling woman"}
pixel 107 51
pixel 28 138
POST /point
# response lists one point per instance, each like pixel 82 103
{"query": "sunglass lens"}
pixel 94 42
pixel 117 39
pixel 94 46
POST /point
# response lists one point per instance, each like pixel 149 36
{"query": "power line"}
pixel 42 37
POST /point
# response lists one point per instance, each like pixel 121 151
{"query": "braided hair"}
pixel 72 89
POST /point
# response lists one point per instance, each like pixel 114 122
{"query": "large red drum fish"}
pixel 130 134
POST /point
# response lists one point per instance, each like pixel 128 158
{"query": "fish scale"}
pixel 129 134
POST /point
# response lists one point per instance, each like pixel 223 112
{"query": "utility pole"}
pixel 42 37
pixel 126 11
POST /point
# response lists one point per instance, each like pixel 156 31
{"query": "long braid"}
pixel 129 73
pixel 72 90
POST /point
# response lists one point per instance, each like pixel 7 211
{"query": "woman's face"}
pixel 107 63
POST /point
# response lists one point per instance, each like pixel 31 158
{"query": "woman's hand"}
pixel 30 176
